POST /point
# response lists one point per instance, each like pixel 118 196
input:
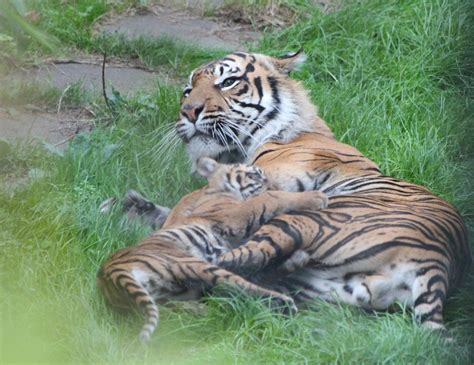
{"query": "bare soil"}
pixel 54 130
pixel 36 126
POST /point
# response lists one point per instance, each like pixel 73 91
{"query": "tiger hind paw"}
pixel 136 206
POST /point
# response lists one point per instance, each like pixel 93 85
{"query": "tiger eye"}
pixel 228 82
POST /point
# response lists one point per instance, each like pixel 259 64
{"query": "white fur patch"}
pixel 140 276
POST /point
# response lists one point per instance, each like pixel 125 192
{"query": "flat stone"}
pixel 124 79
pixel 184 26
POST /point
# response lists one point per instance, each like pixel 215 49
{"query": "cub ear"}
pixel 289 62
pixel 206 166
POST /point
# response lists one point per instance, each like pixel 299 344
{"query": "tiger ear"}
pixel 289 62
pixel 206 166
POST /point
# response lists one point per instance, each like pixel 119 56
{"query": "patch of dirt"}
pixel 35 126
pixel 183 25
pixel 273 15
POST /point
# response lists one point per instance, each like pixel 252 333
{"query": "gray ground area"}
pixel 61 74
pixel 53 130
pixel 184 26
pixel 40 126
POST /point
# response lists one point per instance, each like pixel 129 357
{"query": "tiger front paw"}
pixel 315 200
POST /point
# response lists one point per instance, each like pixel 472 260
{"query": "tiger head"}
pixel 233 105
pixel 241 180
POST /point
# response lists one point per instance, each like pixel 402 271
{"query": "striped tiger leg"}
pixel 429 294
pixel 271 244
pixel 269 204
pixel 209 275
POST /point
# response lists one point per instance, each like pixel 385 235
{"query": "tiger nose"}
pixel 192 111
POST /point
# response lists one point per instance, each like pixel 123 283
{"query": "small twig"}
pixel 61 98
pixel 89 110
pixel 65 140
pixel 103 82
pixel 135 65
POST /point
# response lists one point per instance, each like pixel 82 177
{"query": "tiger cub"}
pixel 176 262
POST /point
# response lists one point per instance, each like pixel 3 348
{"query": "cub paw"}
pixel 315 200
pixel 135 205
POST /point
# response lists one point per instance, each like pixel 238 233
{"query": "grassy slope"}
pixel 387 78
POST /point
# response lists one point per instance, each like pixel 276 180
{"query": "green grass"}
pixel 71 23
pixel 177 58
pixel 390 78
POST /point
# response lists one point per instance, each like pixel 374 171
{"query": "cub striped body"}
pixel 176 263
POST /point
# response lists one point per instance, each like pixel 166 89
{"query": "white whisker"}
pixel 222 138
pixel 241 129
pixel 167 143
pixel 235 138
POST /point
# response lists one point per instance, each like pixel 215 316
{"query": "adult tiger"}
pixel 380 240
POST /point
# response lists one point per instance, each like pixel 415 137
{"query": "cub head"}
pixel 241 180
pixel 233 105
